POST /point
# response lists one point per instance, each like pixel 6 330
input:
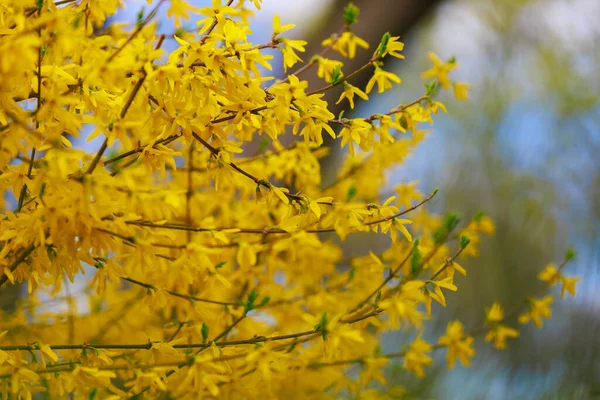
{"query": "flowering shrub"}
pixel 217 270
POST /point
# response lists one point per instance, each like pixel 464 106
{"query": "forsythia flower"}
pixel 393 47
pixel 382 78
pixel 407 193
pixel 461 90
pixel 538 310
pixel 349 92
pixel 498 332
pixel 459 345
pixel 326 68
pixel 289 46
pixel 416 357
pixel 346 44
pixel 440 70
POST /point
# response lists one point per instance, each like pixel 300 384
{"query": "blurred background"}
pixel 525 149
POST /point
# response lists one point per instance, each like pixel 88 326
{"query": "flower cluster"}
pixel 215 250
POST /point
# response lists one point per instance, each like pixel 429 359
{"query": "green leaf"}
pixel 92 394
pixel 264 301
pixel 220 265
pixel 262 145
pixel 322 326
pixel 77 20
pixel 351 193
pixel 451 221
pixel 51 250
pixel 415 260
pixel 204 331
pixel 140 17
pixel 571 254
pixel 39 4
pixel 252 296
pixel 351 12
pixel 351 273
pixel 336 75
pixel 383 44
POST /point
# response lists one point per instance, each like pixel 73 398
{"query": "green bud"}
pixel 204 331
pixel 351 14
pixel 351 193
pixel 220 265
pixel 336 75
pixel 570 254
pixel 431 88
pixel 140 17
pixel 464 241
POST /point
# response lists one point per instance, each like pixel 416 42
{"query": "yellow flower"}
pixel 407 193
pixel 373 370
pixel 277 28
pixel 393 47
pixel 346 44
pixel 439 71
pixel 538 310
pixel 289 52
pixel 461 90
pixel 568 285
pixel 498 332
pixel 218 11
pixel 459 345
pixel 438 295
pixel 349 92
pixel 289 46
pixel 495 313
pixel 326 68
pixel 550 275
pixel 416 357
pixel 353 132
pixel 382 78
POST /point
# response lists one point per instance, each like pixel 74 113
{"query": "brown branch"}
pixel 343 79
pixel 267 230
